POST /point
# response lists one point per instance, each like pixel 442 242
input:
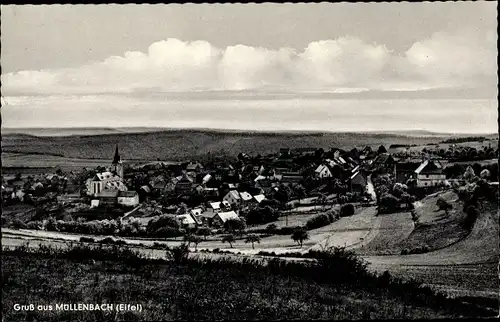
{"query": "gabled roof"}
pixel 406 166
pixel 321 168
pixel 234 194
pixel 429 167
pixel 215 205
pixel 104 176
pixel 186 219
pixel 196 211
pixel 354 175
pixel 225 216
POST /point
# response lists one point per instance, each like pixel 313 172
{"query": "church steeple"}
pixel 117 163
pixel 117 158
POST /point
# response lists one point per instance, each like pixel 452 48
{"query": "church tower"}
pixel 117 164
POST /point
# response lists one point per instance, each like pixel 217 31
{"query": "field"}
pixel 202 290
pixel 183 144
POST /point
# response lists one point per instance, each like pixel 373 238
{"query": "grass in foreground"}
pixel 336 287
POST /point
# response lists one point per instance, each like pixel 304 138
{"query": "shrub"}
pixel 287 230
pixel 347 210
pixel 443 204
pixel 179 254
pixel 404 251
pixel 333 215
pixel 300 236
pixel 235 225
pixel 318 221
pixel 271 228
pixel 34 225
pixel 18 224
pixel 107 240
pixel 87 240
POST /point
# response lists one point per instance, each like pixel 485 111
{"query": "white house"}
pixel 220 218
pixel 233 197
pixel 323 171
pixel 218 206
pixel 430 173
pixel 186 220
pixel 128 198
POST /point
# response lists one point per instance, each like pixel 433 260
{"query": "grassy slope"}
pixel 170 291
pixel 181 144
pixel 434 228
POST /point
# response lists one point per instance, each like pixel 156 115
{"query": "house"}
pixel 233 197
pixel 206 179
pixel 186 220
pixel 218 206
pixel 430 173
pixel 322 171
pixel 291 177
pixel 384 162
pixel 108 197
pixel 220 218
pixel 194 167
pixel 405 171
pixel 128 198
pixel 357 182
pixel 183 185
pixel 196 214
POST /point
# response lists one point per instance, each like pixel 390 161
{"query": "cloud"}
pixel 465 58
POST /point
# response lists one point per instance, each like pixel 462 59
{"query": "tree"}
pixel 469 174
pixel 204 231
pixel 300 191
pixel 271 228
pixel 195 240
pixel 252 238
pixel 235 225
pixel 485 174
pixel 229 239
pixel 299 236
pixel 347 210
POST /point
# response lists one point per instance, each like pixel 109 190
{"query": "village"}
pixel 246 195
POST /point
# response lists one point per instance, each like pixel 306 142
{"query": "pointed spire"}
pixel 117 158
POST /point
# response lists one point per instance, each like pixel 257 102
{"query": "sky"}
pixel 61 60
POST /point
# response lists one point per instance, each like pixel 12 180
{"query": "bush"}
pixel 87 240
pixel 443 204
pixel 271 228
pixel 347 210
pixel 18 224
pixel 34 225
pixel 179 254
pixel 318 221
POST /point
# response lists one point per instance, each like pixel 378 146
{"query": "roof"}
pixel 321 168
pixel 428 167
pixel 127 194
pixel 186 219
pixel 259 198
pixel 196 211
pixel 225 216
pixel 108 193
pixel 207 178
pixel 215 205
pixel 383 158
pixel 103 176
pixel 193 166
pixel 259 177
pixel 245 196
pixel 146 188
pixel 234 194
pixel 354 175
pixel 406 166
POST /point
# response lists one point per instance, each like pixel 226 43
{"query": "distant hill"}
pixel 182 144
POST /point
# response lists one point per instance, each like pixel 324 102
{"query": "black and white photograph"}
pixel 249 161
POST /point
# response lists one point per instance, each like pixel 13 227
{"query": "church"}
pixel 108 180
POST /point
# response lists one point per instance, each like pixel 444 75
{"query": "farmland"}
pixel 183 144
